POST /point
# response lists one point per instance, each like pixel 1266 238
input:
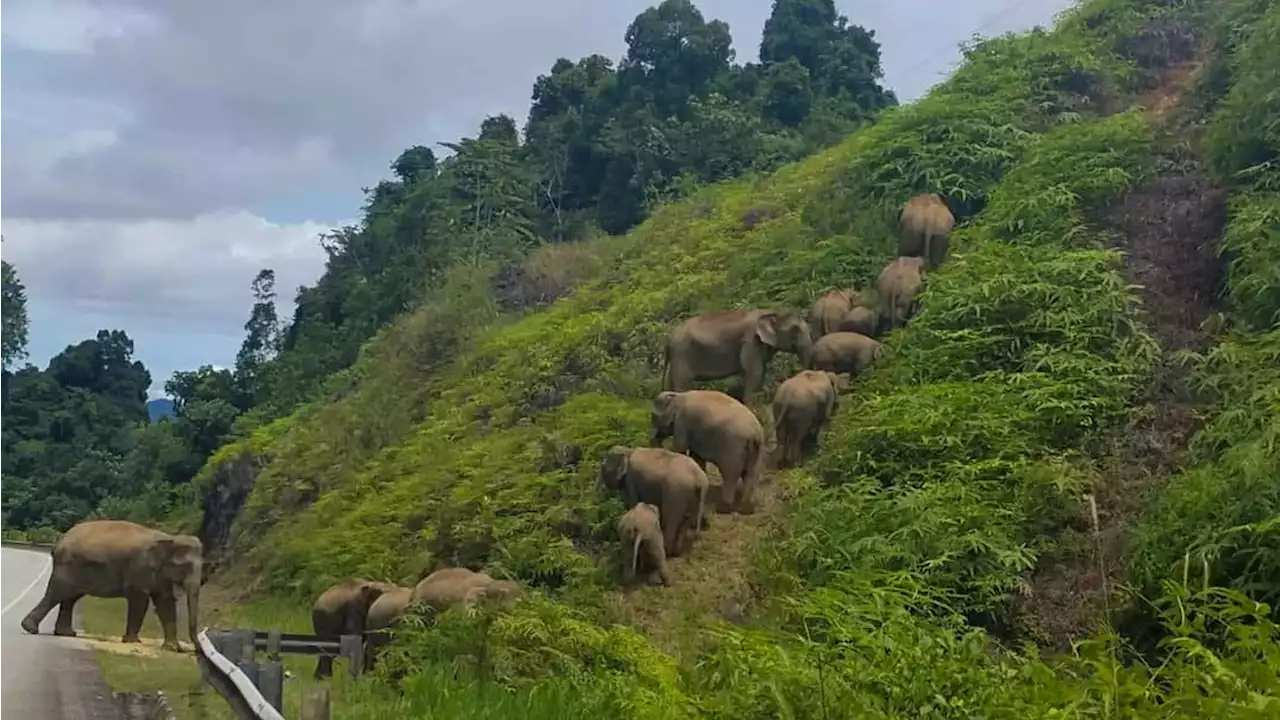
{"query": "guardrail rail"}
pixel 255 690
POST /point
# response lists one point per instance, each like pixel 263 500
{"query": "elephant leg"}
pixel 672 519
pixel 731 474
pixel 55 592
pixel 167 610
pixel 324 666
pixel 66 613
pixel 136 613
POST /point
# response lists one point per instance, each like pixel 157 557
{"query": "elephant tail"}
pixel 635 553
pixel 702 503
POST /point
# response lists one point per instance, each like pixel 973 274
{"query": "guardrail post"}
pixel 315 703
pixel 351 647
pixel 273 644
pixel 271 683
pixel 247 664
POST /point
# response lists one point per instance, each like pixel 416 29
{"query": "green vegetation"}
pixel 894 574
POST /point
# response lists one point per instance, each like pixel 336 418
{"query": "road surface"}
pixel 45 677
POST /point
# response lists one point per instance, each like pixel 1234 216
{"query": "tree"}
pixel 15 316
pixel 262 337
pixel 673 53
pixel 415 164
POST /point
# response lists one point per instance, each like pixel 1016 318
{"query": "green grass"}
pixel 899 552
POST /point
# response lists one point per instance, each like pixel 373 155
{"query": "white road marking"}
pixel 27 589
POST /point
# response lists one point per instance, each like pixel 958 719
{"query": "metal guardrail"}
pixel 255 690
pixel 23 545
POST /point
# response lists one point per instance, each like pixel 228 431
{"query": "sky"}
pixel 154 155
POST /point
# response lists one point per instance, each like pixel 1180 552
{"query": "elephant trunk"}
pixel 804 349
pixel 192 590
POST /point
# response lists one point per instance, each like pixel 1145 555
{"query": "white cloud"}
pixel 191 274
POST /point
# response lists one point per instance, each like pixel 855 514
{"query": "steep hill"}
pixel 1021 455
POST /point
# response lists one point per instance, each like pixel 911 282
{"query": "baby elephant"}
pixel 670 481
pixel 861 320
pixel 803 407
pixel 845 352
pixel 343 610
pixel 640 530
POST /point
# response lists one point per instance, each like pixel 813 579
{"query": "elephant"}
pixel 383 614
pixel 727 343
pixel 846 352
pixel 117 558
pixel 343 609
pixel 671 481
pixel 803 407
pixel 860 319
pixel 640 530
pixel 899 285
pixel 710 426
pixel 830 309
pixel 449 587
pixel 926 227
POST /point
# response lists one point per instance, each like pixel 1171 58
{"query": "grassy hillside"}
pixel 977 487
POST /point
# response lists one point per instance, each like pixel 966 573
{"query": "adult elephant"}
pixel 448 587
pixel 710 426
pixel 383 614
pixel 830 309
pixel 117 558
pixel 343 609
pixel 899 285
pixel 846 352
pixel 727 343
pixel 803 407
pixel 926 229
pixel 672 482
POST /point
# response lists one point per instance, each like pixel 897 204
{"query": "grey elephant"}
pixel 803 407
pixel 383 614
pixel 899 285
pixel 117 558
pixel 673 482
pixel 640 531
pixel 861 319
pixel 710 426
pixel 926 229
pixel 729 343
pixel 830 309
pixel 449 587
pixel 846 352
pixel 343 609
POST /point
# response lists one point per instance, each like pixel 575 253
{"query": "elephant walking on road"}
pixel 117 558
pixel 803 408
pixel 723 344
pixel 710 426
pixel 672 482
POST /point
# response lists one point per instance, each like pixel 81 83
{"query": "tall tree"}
pixel 261 340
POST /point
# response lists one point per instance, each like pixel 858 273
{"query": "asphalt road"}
pixel 44 677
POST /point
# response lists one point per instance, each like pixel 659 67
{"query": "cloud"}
pixel 191 275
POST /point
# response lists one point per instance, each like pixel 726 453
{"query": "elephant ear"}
pixel 160 551
pixel 767 328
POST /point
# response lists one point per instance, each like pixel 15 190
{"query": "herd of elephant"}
pixel 667 492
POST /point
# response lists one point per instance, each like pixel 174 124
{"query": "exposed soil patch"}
pixel 1169 227
pixel 711 582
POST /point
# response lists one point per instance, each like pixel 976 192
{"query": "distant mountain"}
pixel 160 407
